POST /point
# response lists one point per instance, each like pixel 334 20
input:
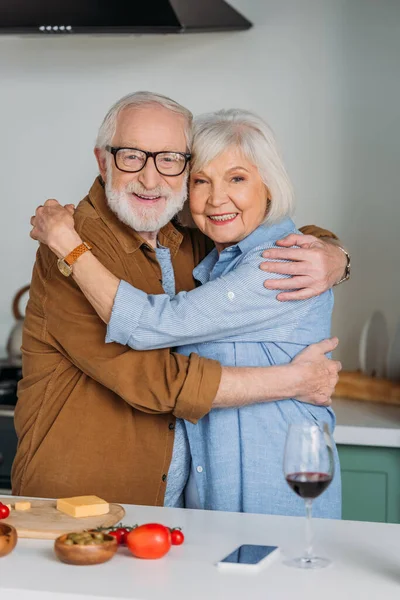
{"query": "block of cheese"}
pixel 23 505
pixel 83 506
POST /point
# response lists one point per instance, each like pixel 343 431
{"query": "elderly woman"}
pixel 241 197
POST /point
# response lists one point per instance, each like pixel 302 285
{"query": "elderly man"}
pixel 99 418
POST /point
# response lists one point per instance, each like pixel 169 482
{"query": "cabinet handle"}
pixel 7 412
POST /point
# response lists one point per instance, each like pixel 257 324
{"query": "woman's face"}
pixel 228 198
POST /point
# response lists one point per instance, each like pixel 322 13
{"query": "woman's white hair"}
pixel 215 132
pixel 138 100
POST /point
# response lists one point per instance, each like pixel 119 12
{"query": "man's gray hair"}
pixel 215 132
pixel 138 100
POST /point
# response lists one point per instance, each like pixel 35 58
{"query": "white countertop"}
pixel 366 563
pixel 366 423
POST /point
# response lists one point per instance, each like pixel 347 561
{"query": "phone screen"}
pixel 249 554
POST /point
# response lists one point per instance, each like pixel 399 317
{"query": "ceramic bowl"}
pixel 8 539
pixel 85 555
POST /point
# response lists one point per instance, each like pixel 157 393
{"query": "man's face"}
pixel 145 200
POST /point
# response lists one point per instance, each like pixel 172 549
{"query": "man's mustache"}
pixel 135 187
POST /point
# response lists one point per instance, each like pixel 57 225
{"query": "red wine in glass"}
pixel 308 485
pixel 308 467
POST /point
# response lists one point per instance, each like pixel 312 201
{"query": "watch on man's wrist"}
pixel 65 264
pixel 346 275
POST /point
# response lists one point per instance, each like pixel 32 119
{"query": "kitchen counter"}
pixel 366 563
pixel 366 423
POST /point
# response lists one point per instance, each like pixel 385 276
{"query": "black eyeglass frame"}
pixel 115 149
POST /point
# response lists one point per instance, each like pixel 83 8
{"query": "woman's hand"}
pixel 315 266
pixel 54 226
pixel 318 375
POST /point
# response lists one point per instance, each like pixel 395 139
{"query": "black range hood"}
pixel 66 17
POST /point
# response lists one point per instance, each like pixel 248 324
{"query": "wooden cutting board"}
pixel 356 385
pixel 44 522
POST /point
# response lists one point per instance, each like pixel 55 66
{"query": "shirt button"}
pixel 171 426
pixel 231 295
pixel 164 477
pixel 199 469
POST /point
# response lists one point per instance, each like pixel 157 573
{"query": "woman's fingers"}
pixel 70 208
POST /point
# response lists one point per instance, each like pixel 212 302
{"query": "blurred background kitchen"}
pixel 325 74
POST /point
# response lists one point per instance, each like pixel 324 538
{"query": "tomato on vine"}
pixel 177 537
pixel 4 511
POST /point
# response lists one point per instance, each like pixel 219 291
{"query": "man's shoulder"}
pixel 85 210
pixel 93 229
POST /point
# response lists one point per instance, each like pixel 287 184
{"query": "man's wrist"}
pixel 346 271
pixel 294 379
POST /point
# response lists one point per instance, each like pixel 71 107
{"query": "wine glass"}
pixel 309 468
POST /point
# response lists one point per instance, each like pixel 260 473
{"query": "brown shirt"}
pixel 96 418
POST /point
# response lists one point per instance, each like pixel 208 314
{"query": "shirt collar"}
pixel 130 240
pixel 265 234
pixel 260 236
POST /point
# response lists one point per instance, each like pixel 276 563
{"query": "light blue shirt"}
pixel 233 318
pixel 179 469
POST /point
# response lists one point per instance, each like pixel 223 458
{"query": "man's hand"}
pixel 315 266
pixel 54 226
pixel 318 375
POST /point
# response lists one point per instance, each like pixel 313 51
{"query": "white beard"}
pixel 146 218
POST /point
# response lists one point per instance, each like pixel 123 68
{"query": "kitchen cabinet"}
pixel 368 439
pixel 370 483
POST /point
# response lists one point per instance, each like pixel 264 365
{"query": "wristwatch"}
pixel 65 264
pixel 346 275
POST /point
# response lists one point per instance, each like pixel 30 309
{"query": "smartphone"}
pixel 250 557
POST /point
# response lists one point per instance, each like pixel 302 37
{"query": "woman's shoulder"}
pixel 265 236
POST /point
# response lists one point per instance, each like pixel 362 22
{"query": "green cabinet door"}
pixel 370 483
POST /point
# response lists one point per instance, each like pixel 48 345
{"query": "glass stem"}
pixel 309 531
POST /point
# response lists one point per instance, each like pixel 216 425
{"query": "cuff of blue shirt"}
pixel 128 306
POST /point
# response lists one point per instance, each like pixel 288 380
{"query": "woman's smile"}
pixel 222 219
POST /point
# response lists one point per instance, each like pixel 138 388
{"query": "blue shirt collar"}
pixel 264 234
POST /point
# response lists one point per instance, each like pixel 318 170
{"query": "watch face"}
pixel 65 269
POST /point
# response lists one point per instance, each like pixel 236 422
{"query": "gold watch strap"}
pixel 76 253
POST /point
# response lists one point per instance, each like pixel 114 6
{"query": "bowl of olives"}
pixel 8 539
pixel 85 547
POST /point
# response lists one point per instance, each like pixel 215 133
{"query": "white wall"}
pixel 324 73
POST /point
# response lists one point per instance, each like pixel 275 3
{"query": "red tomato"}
pixel 149 541
pixel 117 534
pixel 4 511
pixel 177 536
pixel 122 532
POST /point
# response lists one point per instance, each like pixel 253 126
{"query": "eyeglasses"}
pixel 132 160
